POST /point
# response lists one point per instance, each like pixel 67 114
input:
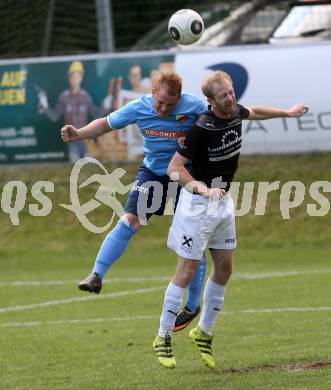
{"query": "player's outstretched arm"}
pixel 263 112
pixel 94 129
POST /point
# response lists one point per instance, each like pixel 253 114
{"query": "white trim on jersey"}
pixel 225 157
pixel 216 128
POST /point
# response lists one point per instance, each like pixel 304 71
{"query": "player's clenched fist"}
pixel 69 133
pixel 298 110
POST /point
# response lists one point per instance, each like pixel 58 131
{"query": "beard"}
pixel 230 109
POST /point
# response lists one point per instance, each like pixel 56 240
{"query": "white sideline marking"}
pixel 276 274
pixel 236 276
pixel 287 309
pixel 134 318
pixel 80 299
pixel 32 283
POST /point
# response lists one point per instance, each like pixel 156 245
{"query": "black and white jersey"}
pixel 213 145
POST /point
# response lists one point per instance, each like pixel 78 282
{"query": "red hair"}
pixel 172 81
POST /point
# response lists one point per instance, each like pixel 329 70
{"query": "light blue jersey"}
pixel 161 134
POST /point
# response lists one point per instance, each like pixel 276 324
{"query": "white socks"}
pixel 171 306
pixel 213 298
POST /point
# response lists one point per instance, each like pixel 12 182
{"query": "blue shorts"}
pixel 150 194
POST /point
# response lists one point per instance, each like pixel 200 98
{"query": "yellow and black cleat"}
pixel 163 348
pixel 203 342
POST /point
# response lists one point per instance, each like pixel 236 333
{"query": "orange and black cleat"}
pixel 184 318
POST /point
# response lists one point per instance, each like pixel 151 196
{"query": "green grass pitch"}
pixel 274 331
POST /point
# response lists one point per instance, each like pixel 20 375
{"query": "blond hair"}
pixel 171 80
pixel 217 77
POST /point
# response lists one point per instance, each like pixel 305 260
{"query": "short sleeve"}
pixel 244 112
pixel 124 116
pixel 202 107
pixel 192 143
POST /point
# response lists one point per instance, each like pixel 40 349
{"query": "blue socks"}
pixel 195 287
pixel 112 247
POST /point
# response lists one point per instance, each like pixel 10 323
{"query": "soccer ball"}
pixel 185 26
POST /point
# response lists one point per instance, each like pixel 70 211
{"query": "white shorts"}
pixel 199 224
